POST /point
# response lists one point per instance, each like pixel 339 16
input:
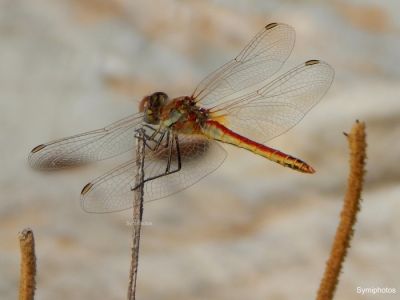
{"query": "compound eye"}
pixel 159 98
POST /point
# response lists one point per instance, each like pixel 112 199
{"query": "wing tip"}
pixel 328 67
pixel 33 160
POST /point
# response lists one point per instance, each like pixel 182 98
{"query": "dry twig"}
pixel 137 215
pixel 348 216
pixel 28 265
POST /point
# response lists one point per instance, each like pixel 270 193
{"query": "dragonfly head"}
pixel 152 106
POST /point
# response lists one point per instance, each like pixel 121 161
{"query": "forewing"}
pixel 275 108
pixel 107 142
pixel 113 191
pixel 259 60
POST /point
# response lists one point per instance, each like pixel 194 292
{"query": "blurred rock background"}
pixel 252 229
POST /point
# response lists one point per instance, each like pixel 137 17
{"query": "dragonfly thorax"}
pixel 152 105
pixel 183 115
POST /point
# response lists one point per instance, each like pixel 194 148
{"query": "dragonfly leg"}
pixel 155 131
pixel 167 143
pixel 146 135
pixel 178 153
pixel 169 159
pixel 141 135
pixel 152 137
pixel 158 142
pixel 161 138
pixel 154 134
pixel 178 156
pixel 167 171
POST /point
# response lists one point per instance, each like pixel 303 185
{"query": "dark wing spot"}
pixel 38 148
pixel 87 188
pixel 312 62
pixel 271 25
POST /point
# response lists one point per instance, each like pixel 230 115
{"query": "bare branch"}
pixel 137 215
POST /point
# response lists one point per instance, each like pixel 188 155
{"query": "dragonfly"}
pixel 242 103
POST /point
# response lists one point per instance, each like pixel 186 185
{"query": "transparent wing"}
pixel 107 142
pixel 275 108
pixel 113 191
pixel 259 60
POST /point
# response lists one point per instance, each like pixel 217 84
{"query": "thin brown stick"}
pixel 137 215
pixel 348 216
pixel 28 265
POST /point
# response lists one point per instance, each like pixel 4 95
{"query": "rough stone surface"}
pixel 252 229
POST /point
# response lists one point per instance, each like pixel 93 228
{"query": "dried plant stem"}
pixel 351 206
pixel 28 265
pixel 137 215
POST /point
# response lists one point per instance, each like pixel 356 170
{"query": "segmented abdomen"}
pixel 214 130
